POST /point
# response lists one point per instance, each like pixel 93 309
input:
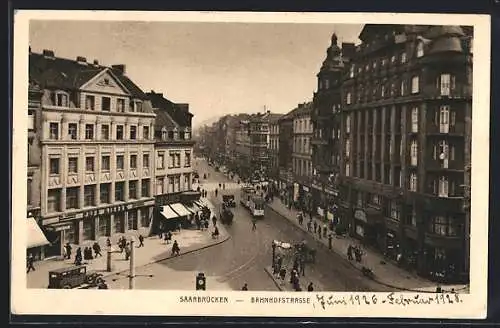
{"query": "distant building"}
pixel 285 157
pixel 96 135
pixel 302 154
pixel 274 149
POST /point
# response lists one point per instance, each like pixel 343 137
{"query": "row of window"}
pixel 302 167
pixel 73 167
pixel 175 135
pixel 174 159
pixel 174 184
pixel 445 84
pixel 442 187
pixel 437 224
pixel 444 118
pixel 72 200
pixel 303 126
pixel 302 145
pixel 61 99
pixel 90 132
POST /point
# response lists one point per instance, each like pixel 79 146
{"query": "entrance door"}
pixel 54 248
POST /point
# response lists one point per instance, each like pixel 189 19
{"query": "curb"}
pixel 356 267
pixel 224 239
pixel 274 280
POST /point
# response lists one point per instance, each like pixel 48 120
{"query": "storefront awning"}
pixel 180 209
pixel 194 208
pixel 36 237
pixel 168 213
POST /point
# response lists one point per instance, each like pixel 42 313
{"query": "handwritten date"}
pixel 389 299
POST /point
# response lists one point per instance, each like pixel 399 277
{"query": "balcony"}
pixel 451 130
pixel 439 165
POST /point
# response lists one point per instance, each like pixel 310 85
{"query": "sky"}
pixel 218 68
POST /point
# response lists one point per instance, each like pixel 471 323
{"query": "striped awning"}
pixel 180 209
pixel 36 237
pixel 168 213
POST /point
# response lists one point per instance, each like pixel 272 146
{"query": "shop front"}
pixel 36 239
pixel 367 226
pixel 444 260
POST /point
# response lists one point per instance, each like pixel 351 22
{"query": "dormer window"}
pixel 138 106
pixel 176 134
pixel 187 135
pixel 420 49
pixel 163 134
pixel 106 81
pixel 61 99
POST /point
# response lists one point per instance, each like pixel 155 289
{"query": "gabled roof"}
pixel 68 74
pixel 179 113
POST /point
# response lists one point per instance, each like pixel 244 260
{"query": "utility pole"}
pixel 132 266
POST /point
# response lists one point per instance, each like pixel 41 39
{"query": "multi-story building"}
pixel 37 238
pixel 406 119
pixel 302 154
pixel 174 171
pixel 96 139
pixel 243 149
pixel 274 134
pixel 254 144
pixel 326 120
pixel 286 178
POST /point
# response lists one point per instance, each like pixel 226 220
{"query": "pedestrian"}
pixel 325 230
pixel 127 251
pixel 245 287
pixel 206 224
pixel 97 249
pixel 309 224
pixel 29 263
pixel 282 273
pixel 165 237
pixel 216 191
pixel 357 254
pixel 214 220
pixel 78 256
pixel 108 243
pixel 302 266
pixel 223 186
pixel 67 247
pixel 219 185
pixel 141 241
pixel 179 227
pixel 254 224
pixel 310 287
pixel 319 232
pixel 175 248
pixel 330 238
pixel 315 226
pixel 349 252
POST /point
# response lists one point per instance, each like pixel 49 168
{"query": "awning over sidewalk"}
pixel 180 209
pixel 36 237
pixel 193 208
pixel 168 213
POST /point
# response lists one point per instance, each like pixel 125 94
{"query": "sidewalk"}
pixel 387 274
pixel 286 286
pixel 154 250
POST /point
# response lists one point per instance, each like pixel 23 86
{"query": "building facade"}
pixel 285 159
pixel 174 170
pixel 326 118
pixel 274 133
pixel 406 110
pixel 96 142
pixel 302 154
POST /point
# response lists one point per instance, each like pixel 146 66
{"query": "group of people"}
pixel 356 251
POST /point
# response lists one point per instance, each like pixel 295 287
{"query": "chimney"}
pixel 119 68
pixel 48 53
pixel 96 62
pixel 81 60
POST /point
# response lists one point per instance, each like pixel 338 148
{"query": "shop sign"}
pixel 90 214
pixel 113 209
pixel 135 205
pixel 69 217
pixel 63 227
pixel 50 221
pixel 360 215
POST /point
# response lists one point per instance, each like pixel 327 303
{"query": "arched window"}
pixel 348 98
pixel 163 134
pixel 348 123
pixel 347 147
pixel 443 187
pixel 414 119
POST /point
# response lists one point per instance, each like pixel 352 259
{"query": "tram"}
pixel 252 201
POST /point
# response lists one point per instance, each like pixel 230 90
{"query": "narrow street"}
pixel 242 258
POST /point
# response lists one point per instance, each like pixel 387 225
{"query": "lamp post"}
pixel 108 260
pixel 273 245
pixel 131 282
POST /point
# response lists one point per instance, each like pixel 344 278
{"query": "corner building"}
pixel 406 132
pixel 97 144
